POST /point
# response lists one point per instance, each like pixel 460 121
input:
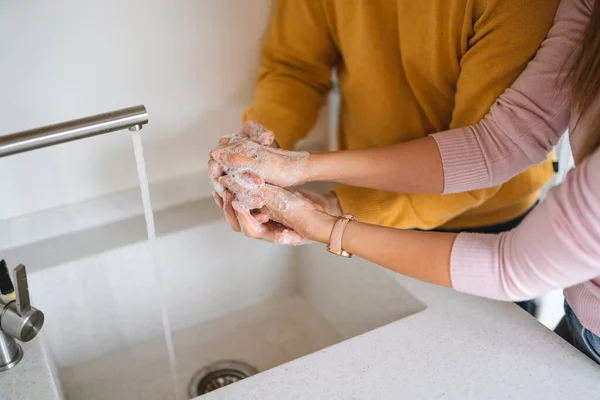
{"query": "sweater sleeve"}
pixel 508 33
pixel 297 58
pixel 556 246
pixel 526 122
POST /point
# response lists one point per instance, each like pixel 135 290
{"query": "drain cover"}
pixel 218 375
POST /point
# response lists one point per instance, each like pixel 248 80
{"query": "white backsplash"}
pixel 194 64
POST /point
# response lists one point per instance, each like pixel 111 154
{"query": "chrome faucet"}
pixel 18 321
pixel 132 118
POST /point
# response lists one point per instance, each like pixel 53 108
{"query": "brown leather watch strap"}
pixel 337 233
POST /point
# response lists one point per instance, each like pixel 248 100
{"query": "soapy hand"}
pixel 237 167
pixel 277 167
pixel 248 204
pixel 274 214
pixel 294 219
pixel 251 131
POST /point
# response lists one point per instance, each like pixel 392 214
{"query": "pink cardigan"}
pixel 558 244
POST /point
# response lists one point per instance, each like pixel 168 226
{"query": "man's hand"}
pixel 250 131
pixel 329 202
pixel 295 220
pixel 264 213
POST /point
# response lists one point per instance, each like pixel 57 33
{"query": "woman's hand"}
pixel 275 166
pixel 293 218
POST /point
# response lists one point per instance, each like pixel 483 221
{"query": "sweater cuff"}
pixel 474 265
pixel 363 205
pixel 463 161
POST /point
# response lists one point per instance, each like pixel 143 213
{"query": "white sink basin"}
pixel 228 297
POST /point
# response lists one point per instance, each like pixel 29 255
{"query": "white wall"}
pixel 193 64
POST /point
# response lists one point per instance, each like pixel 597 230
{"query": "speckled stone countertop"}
pixel 32 378
pixel 460 347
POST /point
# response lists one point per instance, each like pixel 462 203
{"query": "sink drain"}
pixel 218 375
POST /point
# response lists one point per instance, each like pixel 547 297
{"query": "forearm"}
pixel 420 255
pixel 295 75
pixel 411 167
pixel 556 246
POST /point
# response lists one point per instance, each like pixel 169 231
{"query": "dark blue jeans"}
pixel 529 305
pixel 572 331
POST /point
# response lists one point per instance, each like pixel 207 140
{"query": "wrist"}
pixel 312 170
pixel 322 228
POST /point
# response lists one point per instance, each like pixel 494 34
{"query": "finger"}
pixel 280 204
pixel 218 199
pixel 218 188
pixel 232 138
pixel 230 213
pixel 261 215
pixel 271 232
pixel 230 159
pixel 251 179
pixel 277 199
pixel 243 193
pixel 258 133
pixel 225 180
pixel 289 237
pixel 313 197
pixel 251 227
pixel 215 170
pixel 266 138
pixel 245 183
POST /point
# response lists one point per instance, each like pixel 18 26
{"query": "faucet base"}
pixel 10 352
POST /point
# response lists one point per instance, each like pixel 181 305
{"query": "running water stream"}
pixel 149 215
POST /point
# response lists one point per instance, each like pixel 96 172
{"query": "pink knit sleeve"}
pixel 526 121
pixel 556 246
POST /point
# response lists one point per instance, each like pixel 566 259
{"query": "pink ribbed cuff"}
pixel 584 300
pixel 473 270
pixel 473 265
pixel 463 161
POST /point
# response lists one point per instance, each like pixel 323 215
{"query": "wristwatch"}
pixel 337 233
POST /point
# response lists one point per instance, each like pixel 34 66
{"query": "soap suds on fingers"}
pixel 258 133
pixel 246 191
pixel 253 161
pixel 215 170
pixel 276 166
pixel 270 231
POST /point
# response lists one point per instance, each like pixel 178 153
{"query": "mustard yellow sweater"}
pixel 406 68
